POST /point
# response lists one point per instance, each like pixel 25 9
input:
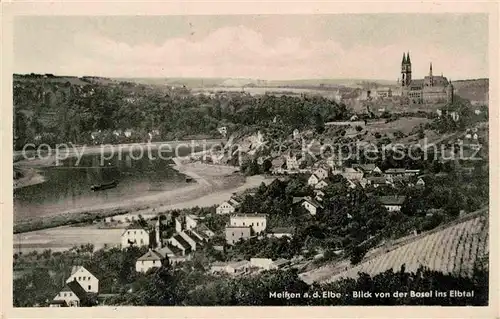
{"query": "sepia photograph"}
pixel 251 160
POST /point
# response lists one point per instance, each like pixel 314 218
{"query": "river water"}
pixel 67 186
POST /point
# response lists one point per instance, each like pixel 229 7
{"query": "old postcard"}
pixel 304 157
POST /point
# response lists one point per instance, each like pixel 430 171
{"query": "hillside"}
pixel 451 250
pixel 472 90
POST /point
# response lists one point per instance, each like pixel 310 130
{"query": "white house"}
pixel 135 236
pixel 232 267
pixel 235 233
pixel 321 184
pixel 311 205
pixel 227 207
pixel 367 168
pixel 351 173
pixel 351 184
pixel 85 278
pixel 296 134
pixel 392 203
pixel 420 182
pixel 222 130
pixel 191 221
pixel 256 221
pixel 72 295
pixel 292 162
pixel 313 180
pixel 321 173
pixel 262 263
pixel 279 232
pixel 319 194
pixel 149 260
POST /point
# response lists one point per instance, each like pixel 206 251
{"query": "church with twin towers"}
pixel 430 89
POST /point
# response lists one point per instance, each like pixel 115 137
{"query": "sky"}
pixel 269 47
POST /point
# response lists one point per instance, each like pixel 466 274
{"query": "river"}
pixel 67 186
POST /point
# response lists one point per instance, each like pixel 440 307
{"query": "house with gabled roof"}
pixel 377 181
pixel 367 168
pixel 180 243
pixel 420 182
pixel 319 194
pixel 230 267
pixel 135 235
pixel 311 205
pixel 193 241
pixel 151 259
pixel 203 229
pixel 353 184
pixel 351 173
pixel 392 203
pixel 71 295
pixel 228 207
pixel 321 173
pixel 85 278
pixel 321 184
pixel 313 180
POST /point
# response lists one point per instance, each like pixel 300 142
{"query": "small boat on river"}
pixel 104 186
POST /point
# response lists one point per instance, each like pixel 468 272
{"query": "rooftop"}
pixel 392 200
pixel 182 241
pixel 151 255
pixel 75 287
pixel 281 230
pixel 365 167
pixel 238 264
pixel 249 216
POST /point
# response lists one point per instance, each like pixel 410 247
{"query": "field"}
pixel 452 250
pixel 404 125
pixel 64 238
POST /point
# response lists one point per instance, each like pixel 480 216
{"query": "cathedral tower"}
pixel 430 76
pixel 406 70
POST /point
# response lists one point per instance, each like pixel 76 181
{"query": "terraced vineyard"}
pixel 452 250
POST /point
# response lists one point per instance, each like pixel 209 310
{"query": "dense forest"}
pixel 49 111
